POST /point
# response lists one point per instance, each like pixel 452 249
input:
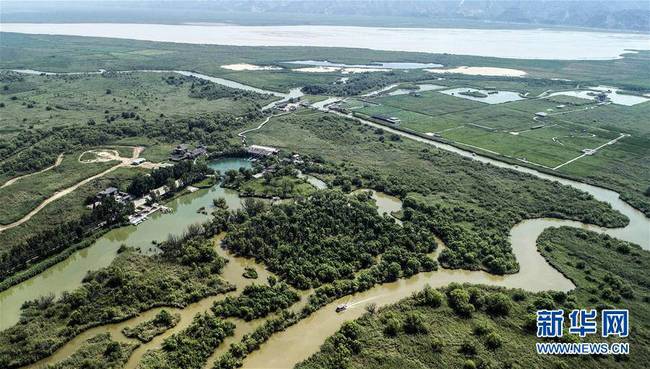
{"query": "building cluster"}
pixel 183 152
pixel 143 206
pixel 338 108
pixel 117 195
pixel 291 105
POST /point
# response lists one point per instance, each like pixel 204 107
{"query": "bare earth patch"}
pixel 482 71
pixel 244 66
pixel 322 69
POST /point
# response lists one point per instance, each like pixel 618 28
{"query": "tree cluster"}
pixel 52 241
pixel 328 237
pixel 256 301
pixel 190 348
pixel 187 171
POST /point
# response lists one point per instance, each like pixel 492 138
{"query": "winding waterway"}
pixel 637 231
pixel 303 339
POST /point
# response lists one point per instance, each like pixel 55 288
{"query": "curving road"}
pixel 59 194
pixel 58 161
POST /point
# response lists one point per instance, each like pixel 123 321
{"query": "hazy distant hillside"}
pixel 633 15
pixel 622 15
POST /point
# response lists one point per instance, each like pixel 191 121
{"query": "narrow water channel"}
pixel 232 272
pixel 298 342
pixel 637 231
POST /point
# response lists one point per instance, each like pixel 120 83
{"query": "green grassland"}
pixel 25 194
pixel 431 103
pixel 510 130
pixel 76 54
pixel 535 105
pixel 428 330
pixel 279 80
pixel 489 126
pixel 68 207
pixel 54 101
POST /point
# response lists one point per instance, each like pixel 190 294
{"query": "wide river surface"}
pixel 520 44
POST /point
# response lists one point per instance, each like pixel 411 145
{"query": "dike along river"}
pixel 304 338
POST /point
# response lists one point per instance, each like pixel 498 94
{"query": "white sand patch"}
pixel 482 71
pixel 364 70
pixel 317 69
pixel 323 69
pixel 244 66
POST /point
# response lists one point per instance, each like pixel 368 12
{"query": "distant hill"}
pixel 630 15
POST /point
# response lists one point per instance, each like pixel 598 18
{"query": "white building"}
pixel 258 150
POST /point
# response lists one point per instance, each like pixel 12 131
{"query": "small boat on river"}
pixel 341 308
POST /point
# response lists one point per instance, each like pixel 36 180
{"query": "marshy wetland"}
pixel 465 184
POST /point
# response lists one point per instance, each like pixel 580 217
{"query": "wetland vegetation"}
pixel 470 206
pixel 320 244
pixel 186 270
pixel 468 326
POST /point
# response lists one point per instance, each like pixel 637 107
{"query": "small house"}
pixel 387 119
pixel 138 161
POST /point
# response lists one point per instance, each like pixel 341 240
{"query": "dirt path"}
pixel 59 194
pixel 242 134
pixel 58 161
pixel 592 151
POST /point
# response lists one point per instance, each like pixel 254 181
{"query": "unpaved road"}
pixel 59 194
pixel 58 161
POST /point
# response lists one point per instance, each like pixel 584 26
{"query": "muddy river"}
pixel 303 339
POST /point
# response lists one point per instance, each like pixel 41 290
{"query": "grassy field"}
pixel 601 267
pixel 65 209
pixel 25 194
pixel 90 54
pixel 53 101
pixel 512 130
